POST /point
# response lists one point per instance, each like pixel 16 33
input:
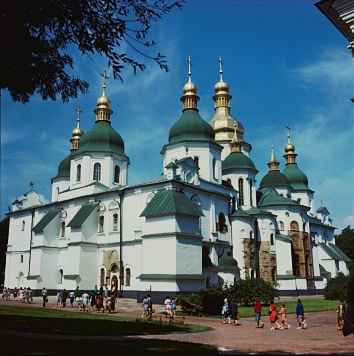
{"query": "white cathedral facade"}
pixel 204 222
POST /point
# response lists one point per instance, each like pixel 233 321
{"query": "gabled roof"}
pixel 283 238
pixel 83 213
pixel 270 197
pixel 334 252
pixel 46 219
pixel 170 202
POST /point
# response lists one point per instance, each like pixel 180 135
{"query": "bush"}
pixel 246 291
pixel 210 301
pixel 336 288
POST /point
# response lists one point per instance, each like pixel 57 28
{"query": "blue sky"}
pixel 285 62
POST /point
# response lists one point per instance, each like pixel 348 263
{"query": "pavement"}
pixel 321 337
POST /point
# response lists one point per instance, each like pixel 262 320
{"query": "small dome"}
pixel 77 131
pixel 102 138
pixel 64 168
pixel 289 148
pixel 189 86
pixel 191 127
pixel 274 179
pixel 296 176
pixel 236 161
pixel 221 86
pixel 103 100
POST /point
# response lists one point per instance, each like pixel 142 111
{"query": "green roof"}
pixel 274 179
pixel 227 263
pixel 334 252
pixel 46 219
pixel 236 161
pixel 170 202
pixel 324 273
pixel 240 213
pixel 296 177
pixel 270 197
pixel 83 213
pixel 283 238
pixel 258 211
pixel 102 138
pixel 64 167
pixel 191 127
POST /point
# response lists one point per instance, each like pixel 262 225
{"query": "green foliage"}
pixel 345 241
pixel 244 292
pixel 48 33
pixel 336 288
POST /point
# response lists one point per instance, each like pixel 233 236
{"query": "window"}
pixel 272 239
pixel 101 224
pixel 97 171
pixel 281 226
pixel 240 192
pixel 57 192
pixel 78 173
pixel 62 229
pixel 21 258
pixel 215 175
pixel 221 224
pixel 127 277
pixel 23 225
pixel 60 276
pixel 298 200
pixel 196 161
pixel 115 222
pixel 116 174
pixel 251 197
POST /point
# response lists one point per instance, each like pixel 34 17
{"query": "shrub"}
pixel 246 291
pixel 336 288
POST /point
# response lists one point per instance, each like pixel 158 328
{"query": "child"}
pixel 225 312
pixel 234 313
pixel 258 311
pixel 300 315
pixel 340 316
pixel 283 312
pixel 273 316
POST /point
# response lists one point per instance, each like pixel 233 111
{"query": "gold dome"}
pixel 189 97
pixel 221 86
pixel 77 132
pixel 289 149
pixel 103 108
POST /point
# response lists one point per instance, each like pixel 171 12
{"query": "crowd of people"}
pixel 21 294
pixel 278 318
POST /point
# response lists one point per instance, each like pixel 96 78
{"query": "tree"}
pixel 345 241
pixel 40 38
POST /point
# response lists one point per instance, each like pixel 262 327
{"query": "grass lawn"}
pixel 51 321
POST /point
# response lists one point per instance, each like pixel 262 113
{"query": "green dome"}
pixel 191 127
pixel 274 179
pixel 270 197
pixel 296 176
pixel 102 138
pixel 64 168
pixel 236 161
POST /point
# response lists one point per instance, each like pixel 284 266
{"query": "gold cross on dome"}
pixel 221 71
pixel 189 61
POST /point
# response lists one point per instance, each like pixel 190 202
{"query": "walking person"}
pixel 283 312
pixel 168 309
pixel 273 316
pixel 44 297
pixel 234 313
pixel 258 311
pixel 340 316
pixel 85 301
pixel 225 312
pixel 173 306
pixel 72 298
pixel 145 308
pixel 300 315
pixel 65 297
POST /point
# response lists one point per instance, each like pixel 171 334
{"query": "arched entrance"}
pixel 114 274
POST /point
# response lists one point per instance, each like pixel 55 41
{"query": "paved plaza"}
pixel 321 337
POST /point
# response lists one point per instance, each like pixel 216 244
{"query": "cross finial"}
pixel 78 112
pixel 189 68
pixel 31 185
pixel 272 155
pixel 221 71
pixel 289 134
pixel 235 138
pixel 105 78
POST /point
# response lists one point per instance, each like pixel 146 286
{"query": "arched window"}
pixel 251 197
pixel 78 173
pixel 101 223
pixel 272 239
pixel 62 229
pixel 127 277
pixel 196 161
pixel 115 222
pixel 116 174
pixel 57 193
pixel 97 171
pixel 21 258
pixel 240 192
pixel 221 224
pixel 102 277
pixel 281 226
pixel 215 173
pixel 23 225
pixel 60 276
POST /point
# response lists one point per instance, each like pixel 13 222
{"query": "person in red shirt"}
pixel 258 311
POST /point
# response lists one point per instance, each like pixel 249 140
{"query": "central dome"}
pixel 191 127
pixel 102 138
pixel 274 179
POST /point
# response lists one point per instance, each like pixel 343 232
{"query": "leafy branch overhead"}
pixel 39 39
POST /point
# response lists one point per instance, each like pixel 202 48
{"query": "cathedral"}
pixel 205 222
